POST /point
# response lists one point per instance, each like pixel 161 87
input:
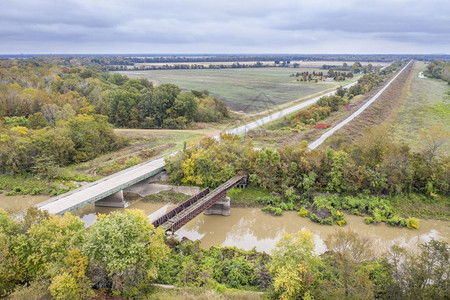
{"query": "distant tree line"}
pixel 235 65
pixel 131 60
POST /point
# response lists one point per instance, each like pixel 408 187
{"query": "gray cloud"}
pixel 175 26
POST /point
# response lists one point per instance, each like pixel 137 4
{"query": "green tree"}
pixel 127 247
pixel 294 265
pixel 185 105
pixel 423 275
pixel 344 276
pixel 64 287
pixel 122 108
pixel 37 120
pixel 91 135
pixel 48 242
pixel 11 270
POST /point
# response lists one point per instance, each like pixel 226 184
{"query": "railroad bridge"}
pixel 108 191
pixel 189 209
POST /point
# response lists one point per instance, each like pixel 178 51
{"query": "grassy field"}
pixel 143 145
pixel 426 106
pixel 239 87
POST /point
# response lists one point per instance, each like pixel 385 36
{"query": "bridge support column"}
pixel 221 207
pixel 114 200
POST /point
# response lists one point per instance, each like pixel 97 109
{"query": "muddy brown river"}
pixel 250 227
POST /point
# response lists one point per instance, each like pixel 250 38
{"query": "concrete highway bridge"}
pixel 109 190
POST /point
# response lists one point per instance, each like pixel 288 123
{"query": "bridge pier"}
pixel 114 200
pixel 221 207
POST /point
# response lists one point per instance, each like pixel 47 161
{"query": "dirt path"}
pixel 204 132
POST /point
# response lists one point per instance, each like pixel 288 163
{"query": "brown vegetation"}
pixel 380 111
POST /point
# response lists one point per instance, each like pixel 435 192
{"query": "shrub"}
pixel 369 220
pixel 276 211
pixel 396 221
pixel 37 191
pixel 412 223
pixel 287 206
pixel 341 222
pixel 234 192
pixel 18 191
pixel 339 215
pixel 322 126
pixel 303 212
pixel 269 200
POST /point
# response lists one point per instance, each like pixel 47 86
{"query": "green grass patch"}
pixel 25 184
pixel 143 146
pixel 204 293
pixel 22 184
pixel 427 105
pixel 421 206
pixel 166 196
pixel 247 196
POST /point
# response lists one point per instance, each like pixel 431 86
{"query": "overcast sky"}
pixel 224 26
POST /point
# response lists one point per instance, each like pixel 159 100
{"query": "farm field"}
pixel 239 87
pixel 426 106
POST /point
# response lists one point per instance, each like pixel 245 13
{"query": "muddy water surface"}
pixel 14 204
pixel 250 227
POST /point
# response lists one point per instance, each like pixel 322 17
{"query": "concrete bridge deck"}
pixel 100 189
pixel 114 183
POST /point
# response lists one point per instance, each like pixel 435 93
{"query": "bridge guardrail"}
pixel 172 213
pixel 212 198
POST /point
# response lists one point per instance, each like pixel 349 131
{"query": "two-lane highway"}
pixel 100 189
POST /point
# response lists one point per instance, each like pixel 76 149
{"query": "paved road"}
pixel 95 191
pixel 287 111
pixel 330 132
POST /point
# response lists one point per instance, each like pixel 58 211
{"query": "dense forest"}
pixel 52 115
pixel 53 257
pixel 59 92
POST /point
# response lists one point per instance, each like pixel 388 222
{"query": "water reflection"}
pixel 250 227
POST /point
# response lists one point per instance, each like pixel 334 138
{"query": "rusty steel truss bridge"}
pixel 189 209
